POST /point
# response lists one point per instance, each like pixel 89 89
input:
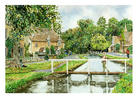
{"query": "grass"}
pixel 31 67
pixel 116 57
pixel 81 56
pixel 21 80
pixel 18 77
pixel 124 85
pixel 71 65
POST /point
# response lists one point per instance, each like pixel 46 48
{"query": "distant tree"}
pixel 122 23
pixel 113 26
pixel 98 42
pixel 101 25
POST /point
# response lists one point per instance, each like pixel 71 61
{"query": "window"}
pixel 36 44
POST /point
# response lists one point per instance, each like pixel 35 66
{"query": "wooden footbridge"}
pixel 88 72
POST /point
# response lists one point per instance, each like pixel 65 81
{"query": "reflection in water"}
pixel 80 83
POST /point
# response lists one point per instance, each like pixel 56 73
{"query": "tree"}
pixel 101 25
pixel 23 19
pixel 121 25
pixel 98 42
pixel 112 26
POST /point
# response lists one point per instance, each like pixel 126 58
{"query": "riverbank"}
pixel 124 85
pixel 129 63
pixel 17 78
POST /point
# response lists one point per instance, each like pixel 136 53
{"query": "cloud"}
pixel 72 13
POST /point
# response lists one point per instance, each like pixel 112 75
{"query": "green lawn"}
pixel 81 56
pixel 71 65
pixel 116 57
pixel 20 77
pixel 31 67
pixel 17 77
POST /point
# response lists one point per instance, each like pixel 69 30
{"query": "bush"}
pixel 36 52
pixel 47 50
pixel 124 85
pixel 46 57
pixel 117 46
pixel 52 49
pixel 130 49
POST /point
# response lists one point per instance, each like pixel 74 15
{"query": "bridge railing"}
pixel 52 60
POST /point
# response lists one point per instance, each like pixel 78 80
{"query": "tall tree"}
pixel 101 25
pixel 112 25
pixel 23 19
pixel 122 23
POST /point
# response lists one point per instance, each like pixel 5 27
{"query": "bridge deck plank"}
pixel 93 73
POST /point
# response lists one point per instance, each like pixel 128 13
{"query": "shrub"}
pixel 52 49
pixel 36 52
pixel 117 46
pixel 130 49
pixel 46 57
pixel 124 85
pixel 47 50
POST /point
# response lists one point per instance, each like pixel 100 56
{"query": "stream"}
pixel 80 83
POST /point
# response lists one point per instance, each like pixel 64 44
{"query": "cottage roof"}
pixel 43 34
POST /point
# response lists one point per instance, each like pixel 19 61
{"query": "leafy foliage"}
pixel 98 42
pixel 124 85
pixel 47 50
pixel 52 49
pixel 46 57
pixel 130 48
pixel 9 45
pixel 26 49
pixel 117 47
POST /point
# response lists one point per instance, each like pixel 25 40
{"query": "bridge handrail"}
pixel 52 60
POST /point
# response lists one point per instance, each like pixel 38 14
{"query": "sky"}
pixel 72 13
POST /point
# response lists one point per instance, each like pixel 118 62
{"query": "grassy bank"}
pixel 71 65
pixel 21 80
pixel 19 77
pixel 82 56
pixel 116 57
pixel 16 78
pixel 31 67
pixel 124 85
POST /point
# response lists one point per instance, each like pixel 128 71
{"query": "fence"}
pixel 52 60
pixel 25 59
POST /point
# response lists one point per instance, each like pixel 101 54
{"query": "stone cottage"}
pixel 123 46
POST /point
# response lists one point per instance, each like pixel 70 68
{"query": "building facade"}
pixel 44 38
pixel 123 44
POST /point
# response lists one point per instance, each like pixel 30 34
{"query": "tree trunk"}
pixel 16 57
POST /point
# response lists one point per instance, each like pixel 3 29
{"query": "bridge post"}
pixel 52 66
pixel 125 67
pixel 88 67
pixel 67 66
